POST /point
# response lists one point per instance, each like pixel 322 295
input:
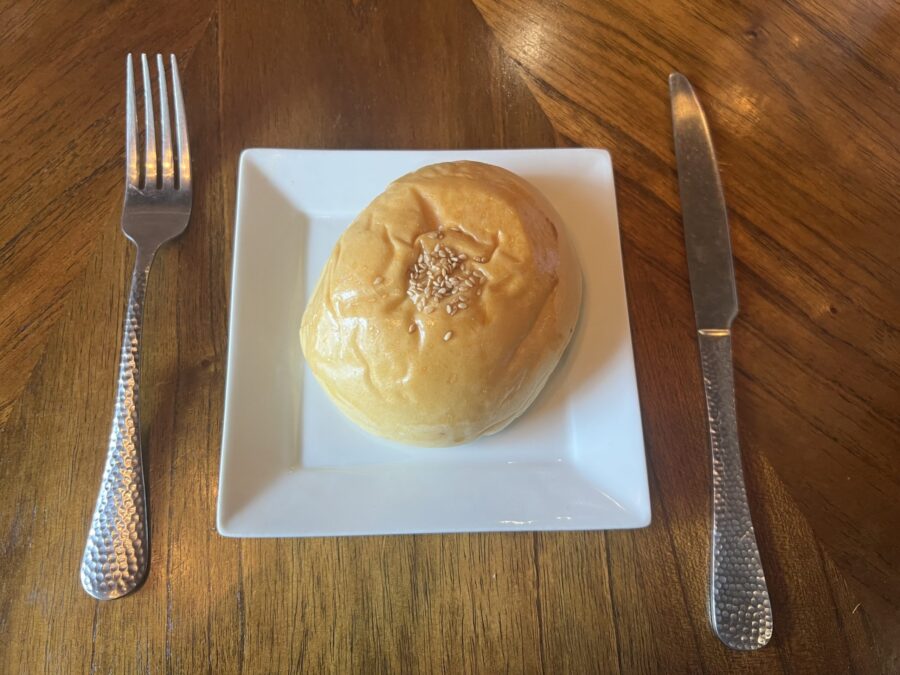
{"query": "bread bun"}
pixel 442 362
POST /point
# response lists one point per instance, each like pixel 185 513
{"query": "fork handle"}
pixel 739 606
pixel 116 555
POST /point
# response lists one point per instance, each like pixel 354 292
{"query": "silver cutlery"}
pixel 739 607
pixel 157 207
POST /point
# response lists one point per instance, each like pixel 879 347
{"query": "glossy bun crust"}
pixel 377 332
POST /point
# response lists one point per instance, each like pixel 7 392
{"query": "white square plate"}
pixel 293 466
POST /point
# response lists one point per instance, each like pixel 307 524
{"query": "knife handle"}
pixel 739 607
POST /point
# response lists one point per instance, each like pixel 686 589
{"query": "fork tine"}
pixel 184 152
pixel 150 133
pixel 167 164
pixel 132 170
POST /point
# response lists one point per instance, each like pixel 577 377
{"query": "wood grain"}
pixel 804 107
pixel 814 225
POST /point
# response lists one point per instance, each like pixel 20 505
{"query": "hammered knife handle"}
pixel 115 559
pixel 739 607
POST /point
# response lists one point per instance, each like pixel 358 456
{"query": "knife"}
pixel 739 607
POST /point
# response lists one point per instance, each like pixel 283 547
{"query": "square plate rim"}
pixel 641 511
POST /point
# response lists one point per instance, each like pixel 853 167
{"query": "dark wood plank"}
pixel 804 116
pixel 61 176
pixel 804 110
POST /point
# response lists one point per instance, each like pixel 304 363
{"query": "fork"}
pixel 157 208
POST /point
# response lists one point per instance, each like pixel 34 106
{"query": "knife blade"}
pixel 740 611
pixel 710 263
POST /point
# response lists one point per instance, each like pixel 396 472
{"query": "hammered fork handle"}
pixel 116 555
pixel 739 606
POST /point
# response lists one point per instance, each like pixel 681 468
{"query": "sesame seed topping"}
pixel 412 328
pixel 440 276
pixel 448 335
pixel 378 280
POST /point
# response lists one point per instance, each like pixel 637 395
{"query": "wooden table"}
pixel 804 107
